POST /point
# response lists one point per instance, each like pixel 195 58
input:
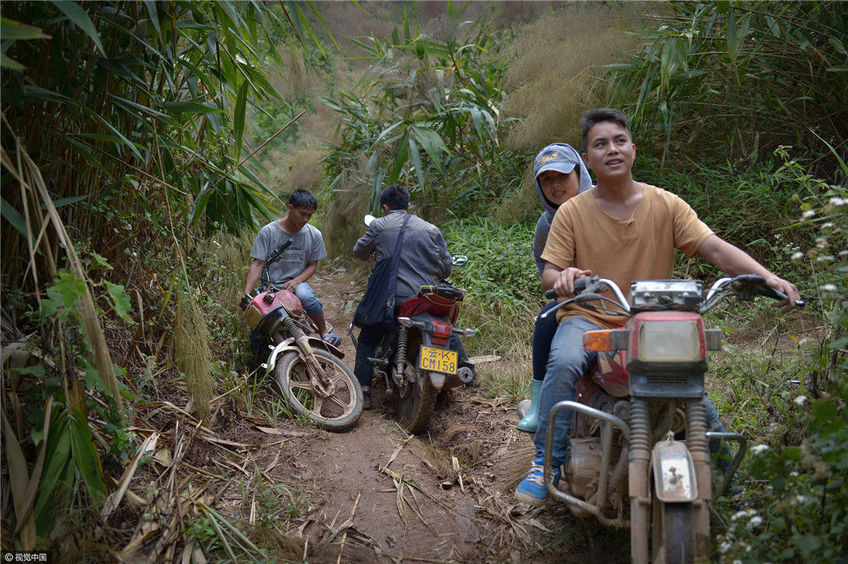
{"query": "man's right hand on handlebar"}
pixel 563 283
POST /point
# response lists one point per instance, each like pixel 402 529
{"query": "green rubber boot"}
pixel 531 420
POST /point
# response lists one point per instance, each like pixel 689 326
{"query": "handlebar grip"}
pixel 580 285
pixel 770 292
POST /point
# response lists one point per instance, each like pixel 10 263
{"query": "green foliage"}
pixel 804 459
pixel 426 116
pixel 736 79
pixel 500 272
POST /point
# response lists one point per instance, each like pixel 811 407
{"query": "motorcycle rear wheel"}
pixel 672 533
pixel 415 407
pixel 337 412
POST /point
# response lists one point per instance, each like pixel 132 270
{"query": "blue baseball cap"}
pixel 560 157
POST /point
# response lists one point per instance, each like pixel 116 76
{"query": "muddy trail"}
pixel 378 494
pixel 371 494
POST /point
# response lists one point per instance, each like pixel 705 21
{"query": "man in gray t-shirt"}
pixel 297 263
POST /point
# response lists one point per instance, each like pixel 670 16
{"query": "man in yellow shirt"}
pixel 623 230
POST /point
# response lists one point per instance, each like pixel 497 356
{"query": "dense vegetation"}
pixel 135 171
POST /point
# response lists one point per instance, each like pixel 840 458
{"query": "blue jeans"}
pixel 567 363
pixel 306 295
pixel 543 334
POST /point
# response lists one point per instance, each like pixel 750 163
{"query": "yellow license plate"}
pixel 438 360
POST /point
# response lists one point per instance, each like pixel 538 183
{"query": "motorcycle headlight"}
pixel 670 341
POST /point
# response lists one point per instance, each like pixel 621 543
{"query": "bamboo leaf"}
pixel 18 481
pixel 305 23
pixel 238 119
pixel 33 486
pixel 154 16
pixel 68 201
pixel 85 456
pixel 400 159
pixel 416 161
pixel 77 15
pixel 9 63
pixel 11 30
pixel 192 108
pixel 13 216
pixel 58 452
pixel 431 142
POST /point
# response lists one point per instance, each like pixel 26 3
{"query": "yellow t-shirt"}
pixel 641 248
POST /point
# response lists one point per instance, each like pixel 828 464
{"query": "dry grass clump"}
pixel 191 351
pixel 553 69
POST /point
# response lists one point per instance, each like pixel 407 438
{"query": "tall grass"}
pixel 191 353
pixel 552 66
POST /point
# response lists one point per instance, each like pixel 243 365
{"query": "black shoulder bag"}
pixel 377 306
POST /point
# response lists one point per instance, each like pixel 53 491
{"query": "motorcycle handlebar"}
pixel 770 292
pixel 580 285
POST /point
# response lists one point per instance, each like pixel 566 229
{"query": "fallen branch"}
pixel 352 514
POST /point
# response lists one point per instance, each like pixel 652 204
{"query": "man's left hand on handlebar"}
pixel 786 288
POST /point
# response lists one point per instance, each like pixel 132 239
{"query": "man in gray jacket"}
pixel 424 260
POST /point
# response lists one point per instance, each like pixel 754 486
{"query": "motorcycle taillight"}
pixel 441 329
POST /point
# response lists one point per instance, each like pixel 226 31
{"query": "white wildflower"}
pixel 724 547
pixel 797 256
pixel 759 449
pixel 835 201
pixel 800 400
pixel 755 522
pixel 828 287
pixel 808 214
pixel 825 258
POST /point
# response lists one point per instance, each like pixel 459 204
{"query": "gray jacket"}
pixel 424 257
pixel 543 225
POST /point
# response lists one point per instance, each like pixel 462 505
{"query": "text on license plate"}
pixel 438 360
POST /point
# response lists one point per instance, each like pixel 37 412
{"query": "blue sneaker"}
pixel 532 488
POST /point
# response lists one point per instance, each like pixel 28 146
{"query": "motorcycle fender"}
pixel 675 480
pixel 290 345
pixel 279 349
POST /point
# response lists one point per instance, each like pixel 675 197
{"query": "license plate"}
pixel 437 360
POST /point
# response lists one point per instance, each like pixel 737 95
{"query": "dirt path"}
pixel 380 495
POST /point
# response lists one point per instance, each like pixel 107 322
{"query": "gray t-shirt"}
pixel 307 246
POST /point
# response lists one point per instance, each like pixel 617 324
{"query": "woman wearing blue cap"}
pixel 559 174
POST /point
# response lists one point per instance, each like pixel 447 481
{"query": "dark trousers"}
pixel 543 335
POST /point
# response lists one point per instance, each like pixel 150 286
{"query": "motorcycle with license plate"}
pixel 639 435
pixel 419 359
pixel 309 371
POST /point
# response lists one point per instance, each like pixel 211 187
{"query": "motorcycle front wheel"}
pixel 415 406
pixel 337 412
pixel 672 533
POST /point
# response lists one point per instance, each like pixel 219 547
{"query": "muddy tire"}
pixel 415 406
pixel 672 533
pixel 339 411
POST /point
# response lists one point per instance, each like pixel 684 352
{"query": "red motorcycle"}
pixel 633 408
pixel 419 360
pixel 309 371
